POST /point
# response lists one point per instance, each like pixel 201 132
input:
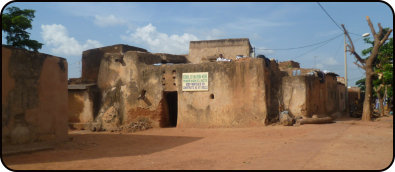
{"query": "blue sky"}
pixel 68 28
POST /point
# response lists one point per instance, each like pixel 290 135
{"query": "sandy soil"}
pixel 346 144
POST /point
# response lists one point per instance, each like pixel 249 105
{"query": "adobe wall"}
pixel 341 89
pixel 288 64
pixel 355 99
pixel 294 95
pixel 306 95
pixel 121 80
pixel 202 51
pixel 332 100
pixel 247 92
pixel 290 71
pixel 34 97
pixel 354 93
pixel 240 95
pixel 80 108
pixel 238 87
pixel 275 104
pixel 83 106
pixel 91 59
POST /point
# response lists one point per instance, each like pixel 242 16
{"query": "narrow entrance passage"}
pixel 172 103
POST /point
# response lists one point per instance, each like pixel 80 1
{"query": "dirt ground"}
pixel 345 144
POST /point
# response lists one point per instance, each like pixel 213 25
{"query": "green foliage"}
pixel 361 84
pixel 383 67
pixel 15 23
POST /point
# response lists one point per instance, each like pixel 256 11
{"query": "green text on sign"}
pixel 197 81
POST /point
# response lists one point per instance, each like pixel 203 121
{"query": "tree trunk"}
pixel 381 99
pixel 367 108
pixel 386 99
pixel 381 103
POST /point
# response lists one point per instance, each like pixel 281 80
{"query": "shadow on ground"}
pixel 92 146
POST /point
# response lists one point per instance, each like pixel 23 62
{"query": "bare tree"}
pixel 367 64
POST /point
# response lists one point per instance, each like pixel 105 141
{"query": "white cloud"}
pixel 109 20
pixel 330 61
pixel 56 36
pixel 320 66
pixel 253 24
pixel 160 42
pixel 214 34
pixel 264 50
pixel 327 62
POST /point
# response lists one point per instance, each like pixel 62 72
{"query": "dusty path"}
pixel 348 144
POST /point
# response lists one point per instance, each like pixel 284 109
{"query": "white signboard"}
pixel 195 81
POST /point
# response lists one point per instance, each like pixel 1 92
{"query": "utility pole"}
pixel 315 59
pixel 345 75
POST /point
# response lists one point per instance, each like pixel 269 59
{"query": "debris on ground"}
pixel 286 119
pixel 139 125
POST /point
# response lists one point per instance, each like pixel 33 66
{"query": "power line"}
pixel 302 46
pixel 335 21
pixel 338 48
pixel 356 34
pixel 329 16
pixel 311 50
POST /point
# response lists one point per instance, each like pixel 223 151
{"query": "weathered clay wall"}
pixel 91 59
pixel 306 95
pixel 288 64
pixel 332 99
pixel 317 96
pixel 121 84
pixel 136 90
pixel 239 91
pixel 34 97
pixel 171 58
pixel 341 90
pixel 355 98
pixel 80 107
pixel 354 93
pixel 294 95
pixel 292 70
pixel 275 103
pixel 84 105
pixel 243 92
pixel 201 51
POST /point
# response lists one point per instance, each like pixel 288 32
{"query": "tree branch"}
pixel 380 30
pixel 349 47
pixel 362 61
pixel 371 26
pixel 352 49
pixel 378 89
pixel 385 37
pixel 361 66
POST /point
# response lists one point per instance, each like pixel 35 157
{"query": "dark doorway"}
pixel 172 103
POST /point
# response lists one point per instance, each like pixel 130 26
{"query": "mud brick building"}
pixel 194 90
